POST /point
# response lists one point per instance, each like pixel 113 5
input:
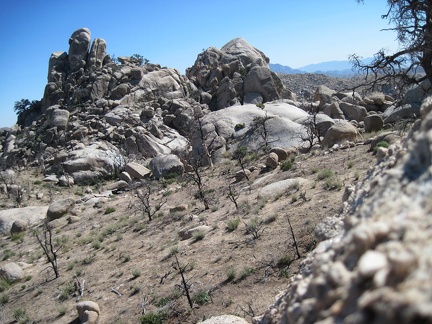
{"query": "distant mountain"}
pixel 278 68
pixel 330 68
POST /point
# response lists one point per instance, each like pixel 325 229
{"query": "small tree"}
pixel 185 284
pixel 233 195
pixel 197 178
pixel 240 155
pixel 260 127
pixel 25 107
pixel 45 241
pixel 139 59
pixel 313 132
pixel 146 207
pixel 293 237
pixel 200 155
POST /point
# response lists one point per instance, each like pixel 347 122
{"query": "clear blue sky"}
pixel 172 33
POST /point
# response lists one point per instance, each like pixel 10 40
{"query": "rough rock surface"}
pixel 88 312
pixel 30 215
pixel 225 319
pixel 11 271
pixel 164 165
pixel 375 269
pixel 339 132
pixel 59 208
pixel 235 74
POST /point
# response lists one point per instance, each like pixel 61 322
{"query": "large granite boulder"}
pixel 31 215
pixel 396 113
pixel 353 112
pixel 95 161
pixel 373 123
pixel 341 131
pixel 79 44
pixel 323 95
pixel 164 165
pixel 60 208
pixel 59 118
pixel 97 53
pixel 11 272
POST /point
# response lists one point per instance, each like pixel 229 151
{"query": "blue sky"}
pixel 173 33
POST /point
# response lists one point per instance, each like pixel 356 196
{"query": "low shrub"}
pixel 233 224
pixel 324 174
pixel 380 144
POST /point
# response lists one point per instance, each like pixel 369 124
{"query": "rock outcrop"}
pixel 236 74
pixel 373 269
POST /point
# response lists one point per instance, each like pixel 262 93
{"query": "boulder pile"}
pixel 375 267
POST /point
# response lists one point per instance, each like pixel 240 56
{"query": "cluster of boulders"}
pixel 371 112
pixel 236 74
pixel 373 262
pixel 98 113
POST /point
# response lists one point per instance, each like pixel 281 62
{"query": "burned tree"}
pixel 412 63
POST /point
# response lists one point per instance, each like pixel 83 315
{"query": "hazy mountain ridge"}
pixel 330 68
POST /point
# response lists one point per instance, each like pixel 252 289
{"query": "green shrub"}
pixel 136 273
pixel 67 292
pixel 198 235
pixel 7 254
pixel 246 272
pixel 4 284
pixel 109 210
pixel 20 315
pixel 4 299
pixel 233 224
pixel 284 261
pixel 286 165
pixel 324 174
pixel 62 311
pixel 174 250
pixel 18 237
pixel 231 274
pixel 333 183
pixel 380 144
pixel 201 298
pixel 238 127
pixel 164 301
pixel 152 318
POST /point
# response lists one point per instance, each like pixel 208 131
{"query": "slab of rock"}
pixel 29 215
pixel 79 44
pixel 394 114
pixel 353 112
pixel 136 170
pixel 278 188
pixel 187 233
pixel 225 319
pixel 323 95
pixel 280 152
pixel 163 165
pixel 59 118
pixel 373 123
pixel 60 208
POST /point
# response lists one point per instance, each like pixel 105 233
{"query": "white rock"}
pixel 371 262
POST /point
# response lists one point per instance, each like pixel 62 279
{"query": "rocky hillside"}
pixel 134 176
pixel 374 268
